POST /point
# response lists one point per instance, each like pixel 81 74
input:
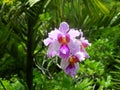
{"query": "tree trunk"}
pixel 29 69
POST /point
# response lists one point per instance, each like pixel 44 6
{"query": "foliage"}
pixel 98 66
pixel 12 84
pixel 99 19
pixel 113 38
pixel 93 73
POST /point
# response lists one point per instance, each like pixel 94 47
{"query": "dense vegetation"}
pixel 23 61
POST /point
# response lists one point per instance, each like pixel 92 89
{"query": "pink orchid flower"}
pixel 59 39
pixel 83 44
pixel 71 65
pixel 63 42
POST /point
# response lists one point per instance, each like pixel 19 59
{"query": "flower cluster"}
pixel 64 43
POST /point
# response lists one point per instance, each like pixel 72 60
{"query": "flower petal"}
pixel 64 64
pixel 64 27
pixel 85 42
pixel 53 49
pixel 80 56
pixel 47 41
pixel 74 47
pixel 64 51
pixel 70 70
pixel 77 66
pixel 82 49
pixel 73 33
pixel 54 34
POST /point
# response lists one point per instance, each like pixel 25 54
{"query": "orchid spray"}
pixel 64 43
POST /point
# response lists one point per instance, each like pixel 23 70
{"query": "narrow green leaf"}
pixel 102 7
pixel 32 2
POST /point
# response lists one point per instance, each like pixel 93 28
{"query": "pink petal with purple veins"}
pixel 64 27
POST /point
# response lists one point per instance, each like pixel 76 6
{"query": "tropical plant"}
pixel 25 23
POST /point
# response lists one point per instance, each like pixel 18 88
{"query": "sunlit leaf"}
pixel 102 7
pixel 32 2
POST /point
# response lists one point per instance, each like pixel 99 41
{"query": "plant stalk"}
pixel 29 69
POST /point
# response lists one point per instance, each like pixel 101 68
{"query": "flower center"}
pixel 63 39
pixel 73 59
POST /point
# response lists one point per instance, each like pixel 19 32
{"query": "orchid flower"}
pixel 58 41
pixel 83 44
pixel 71 65
pixel 64 42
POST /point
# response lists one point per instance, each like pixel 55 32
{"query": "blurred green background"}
pixel 23 61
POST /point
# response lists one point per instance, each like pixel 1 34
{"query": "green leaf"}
pixel 102 7
pixel 86 84
pixel 32 2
